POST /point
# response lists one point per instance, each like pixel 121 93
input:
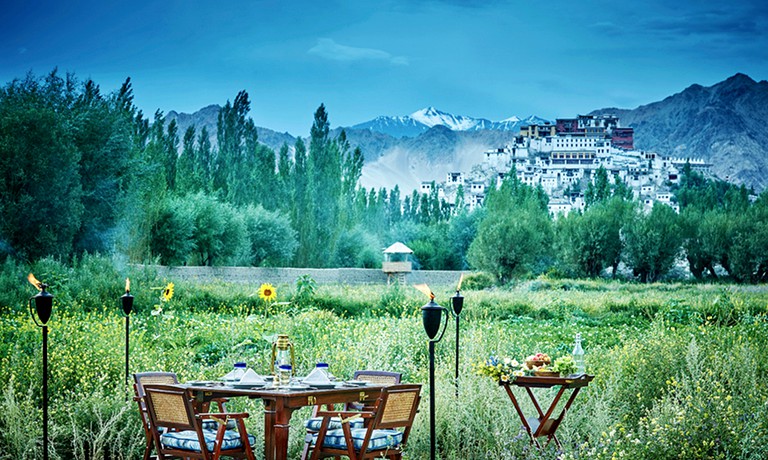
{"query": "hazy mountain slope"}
pixel 726 124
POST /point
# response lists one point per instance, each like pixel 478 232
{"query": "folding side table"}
pixel 545 424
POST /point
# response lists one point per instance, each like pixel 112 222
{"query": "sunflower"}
pixel 267 292
pixel 167 293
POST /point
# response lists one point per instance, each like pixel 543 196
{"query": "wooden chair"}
pixel 172 407
pixel 385 434
pixel 140 379
pixel 376 377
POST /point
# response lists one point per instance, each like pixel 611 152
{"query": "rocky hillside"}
pixel 725 124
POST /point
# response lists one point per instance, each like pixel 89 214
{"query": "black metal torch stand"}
pixel 127 304
pixel 457 302
pixel 43 306
pixel 431 317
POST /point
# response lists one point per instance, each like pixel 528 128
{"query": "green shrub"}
pixel 478 281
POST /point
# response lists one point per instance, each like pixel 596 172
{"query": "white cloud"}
pixel 329 49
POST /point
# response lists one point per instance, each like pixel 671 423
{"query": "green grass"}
pixel 680 369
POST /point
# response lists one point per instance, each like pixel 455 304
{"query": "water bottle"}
pixel 578 355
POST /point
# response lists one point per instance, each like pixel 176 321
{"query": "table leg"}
pixel 277 420
pixel 556 422
pixel 269 429
pixel 520 413
pixel 535 402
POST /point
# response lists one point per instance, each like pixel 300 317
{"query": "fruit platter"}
pixel 538 360
pixel 538 364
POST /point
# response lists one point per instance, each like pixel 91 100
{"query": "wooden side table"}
pixel 545 424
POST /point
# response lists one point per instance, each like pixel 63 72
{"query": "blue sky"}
pixel 491 59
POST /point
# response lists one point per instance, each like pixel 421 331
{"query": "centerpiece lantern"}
pixel 282 354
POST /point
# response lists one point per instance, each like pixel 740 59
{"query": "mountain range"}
pixel 723 124
pixel 422 120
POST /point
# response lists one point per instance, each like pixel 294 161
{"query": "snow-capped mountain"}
pixel 422 120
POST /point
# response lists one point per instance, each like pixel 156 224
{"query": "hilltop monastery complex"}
pixel 563 158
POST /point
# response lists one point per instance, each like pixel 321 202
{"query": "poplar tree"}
pixel 324 167
pixel 186 179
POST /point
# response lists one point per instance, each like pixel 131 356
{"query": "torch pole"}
pixel 457 357
pixel 432 400
pixel 127 327
pixel 45 392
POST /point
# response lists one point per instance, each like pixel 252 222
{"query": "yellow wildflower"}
pixel 167 293
pixel 267 292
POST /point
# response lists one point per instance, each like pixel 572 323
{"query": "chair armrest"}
pixel 344 413
pixel 220 415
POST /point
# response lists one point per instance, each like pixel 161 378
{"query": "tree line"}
pixel 87 172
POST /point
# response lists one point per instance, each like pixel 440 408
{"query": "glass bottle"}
pixel 239 371
pixel 284 375
pixel 578 355
pixel 323 367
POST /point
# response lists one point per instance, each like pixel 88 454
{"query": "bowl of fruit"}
pixel 537 360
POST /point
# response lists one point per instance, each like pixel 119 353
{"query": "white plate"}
pixel 357 383
pixel 296 387
pixel 322 386
pixel 247 385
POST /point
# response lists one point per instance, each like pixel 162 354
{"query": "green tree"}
pixel 102 134
pixel 40 187
pixel 284 190
pixel 235 160
pixel 219 233
pixel 171 238
pixel 324 168
pixel 653 243
pixel 599 189
pixel 272 240
pixel 515 235
pixel 302 215
pixel 186 179
pixel 359 248
pixel 204 166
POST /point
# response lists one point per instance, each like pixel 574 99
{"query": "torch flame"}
pixel 461 278
pixel 127 285
pixel 34 282
pixel 426 290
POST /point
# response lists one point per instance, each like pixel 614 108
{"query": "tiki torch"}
pixel 43 306
pixel 432 314
pixel 127 304
pixel 457 302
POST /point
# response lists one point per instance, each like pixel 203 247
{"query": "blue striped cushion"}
pixel 187 440
pixel 380 439
pixel 314 423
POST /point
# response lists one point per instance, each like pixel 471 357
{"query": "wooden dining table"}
pixel 279 405
pixel 545 423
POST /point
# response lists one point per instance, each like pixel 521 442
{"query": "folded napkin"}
pixel 317 376
pixel 231 375
pixel 251 377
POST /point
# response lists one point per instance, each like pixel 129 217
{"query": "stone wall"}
pixel 258 275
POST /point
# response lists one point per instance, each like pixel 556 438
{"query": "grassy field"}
pixel 680 370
